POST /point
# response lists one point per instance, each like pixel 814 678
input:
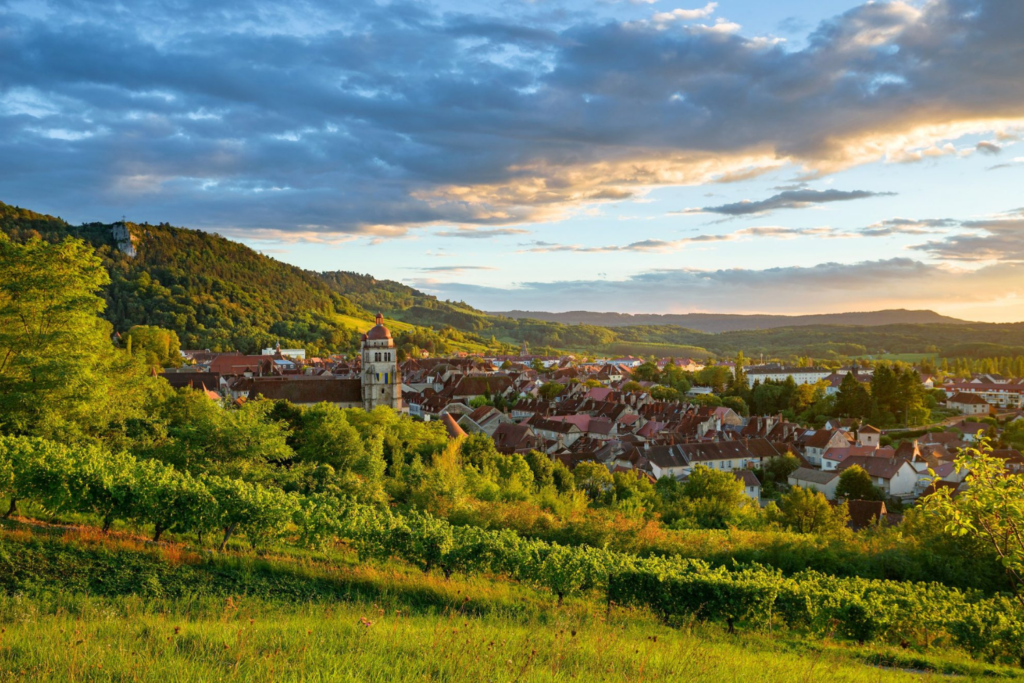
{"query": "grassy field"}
pixel 395 325
pixel 78 605
pixel 904 357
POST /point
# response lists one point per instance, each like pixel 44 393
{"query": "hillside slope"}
pixel 718 322
pixel 222 295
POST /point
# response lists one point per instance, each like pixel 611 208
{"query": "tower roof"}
pixel 378 331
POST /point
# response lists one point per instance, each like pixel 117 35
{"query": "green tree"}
pixel 54 348
pixel 855 484
pixel 549 390
pixel 808 511
pixel 594 479
pixel 852 399
pixel 991 509
pixel 158 347
pixel 542 467
pixel 714 496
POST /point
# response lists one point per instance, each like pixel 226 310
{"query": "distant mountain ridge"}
pixel 724 322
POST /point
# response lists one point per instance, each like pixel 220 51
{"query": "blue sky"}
pixel 738 156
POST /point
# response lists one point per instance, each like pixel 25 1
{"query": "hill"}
pixel 222 295
pixel 718 322
pixel 213 292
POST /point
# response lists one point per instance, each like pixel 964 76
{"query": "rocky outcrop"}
pixel 124 238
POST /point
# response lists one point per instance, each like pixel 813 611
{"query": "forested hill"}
pixel 213 292
pixel 716 322
pixel 222 295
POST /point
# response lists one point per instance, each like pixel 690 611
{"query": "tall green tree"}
pixel 58 367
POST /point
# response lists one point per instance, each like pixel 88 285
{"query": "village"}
pixel 598 411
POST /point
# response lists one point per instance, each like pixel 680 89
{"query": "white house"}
pixel 895 476
pixel 779 373
pixel 807 478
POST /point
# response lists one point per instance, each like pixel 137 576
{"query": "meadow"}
pixel 81 605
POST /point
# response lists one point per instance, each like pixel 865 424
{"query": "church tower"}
pixel 382 385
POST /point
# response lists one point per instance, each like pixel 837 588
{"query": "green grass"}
pixel 904 357
pixel 395 325
pixel 77 605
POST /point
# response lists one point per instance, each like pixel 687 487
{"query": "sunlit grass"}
pixel 171 612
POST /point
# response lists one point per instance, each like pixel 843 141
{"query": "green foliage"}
pixel 158 347
pixel 808 511
pixel 59 374
pixel 855 484
pixel 990 509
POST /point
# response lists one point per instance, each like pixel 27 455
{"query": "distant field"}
pixel 904 357
pixel 398 326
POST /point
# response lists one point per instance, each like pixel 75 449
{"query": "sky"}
pixel 644 156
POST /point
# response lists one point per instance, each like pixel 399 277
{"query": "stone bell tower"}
pixel 382 384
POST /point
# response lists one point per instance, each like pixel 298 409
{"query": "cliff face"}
pixel 124 238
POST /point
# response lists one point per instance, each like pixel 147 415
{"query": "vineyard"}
pixel 148 494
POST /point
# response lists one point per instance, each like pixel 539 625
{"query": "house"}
pixel 1001 395
pixel 483 420
pixel 895 476
pixel 564 434
pixel 516 438
pixel 865 513
pixel 833 456
pixel 819 480
pixel 820 441
pixel 968 404
pixel 751 485
pixel 302 390
pixel 869 436
pixel 779 373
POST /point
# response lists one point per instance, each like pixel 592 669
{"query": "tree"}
pixel 990 509
pixel 855 484
pixel 631 386
pixel 852 399
pixel 714 496
pixel 158 347
pixel 549 390
pixel 542 467
pixel 562 477
pixel 53 345
pixel 327 437
pixel 660 393
pixel 737 404
pixel 808 511
pixel 594 479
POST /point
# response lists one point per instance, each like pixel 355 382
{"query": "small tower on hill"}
pixel 382 384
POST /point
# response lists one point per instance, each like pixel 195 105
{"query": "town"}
pixel 613 412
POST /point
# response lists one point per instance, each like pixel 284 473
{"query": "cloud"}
pixel 788 199
pixel 828 287
pixel 685 14
pixel 906 226
pixel 665 246
pixel 267 116
pixel 451 270
pixel 988 147
pixel 479 233
pixel 997 239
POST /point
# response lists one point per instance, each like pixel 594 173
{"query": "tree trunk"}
pixel 228 530
pixel 158 530
pixel 732 626
pixel 561 597
pixel 107 521
pixel 11 510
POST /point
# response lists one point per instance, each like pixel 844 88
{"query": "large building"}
pixel 382 382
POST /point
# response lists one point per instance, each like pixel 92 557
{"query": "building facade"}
pixel 382 382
